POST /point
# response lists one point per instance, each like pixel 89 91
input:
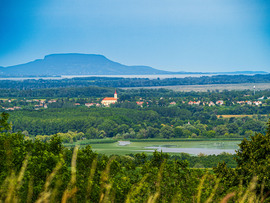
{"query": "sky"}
pixel 174 35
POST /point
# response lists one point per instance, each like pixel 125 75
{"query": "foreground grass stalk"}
pixel 250 191
pixel 46 194
pixel 153 198
pixel 71 188
pixel 55 190
pixel 135 189
pixel 213 192
pixel 200 189
pixel 30 190
pixel 227 197
pixel 11 188
pixel 16 182
pixel 105 186
pixel 90 179
pixel 262 189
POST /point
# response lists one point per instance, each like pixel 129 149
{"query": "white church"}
pixel 109 100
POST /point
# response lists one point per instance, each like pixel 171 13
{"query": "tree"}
pixel 210 133
pixel 152 132
pixel 166 132
pixel 253 160
pixel 178 131
pixel 221 130
pixel 253 125
pixel 91 133
pixel 108 126
pixel 253 157
pixel 4 125
pixel 232 128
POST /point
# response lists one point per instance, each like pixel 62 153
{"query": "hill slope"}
pixel 75 64
pixel 88 64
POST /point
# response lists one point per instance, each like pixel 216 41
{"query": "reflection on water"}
pixel 167 145
pixel 193 151
pixel 115 76
pixel 195 148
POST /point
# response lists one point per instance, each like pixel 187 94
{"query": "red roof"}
pixel 109 98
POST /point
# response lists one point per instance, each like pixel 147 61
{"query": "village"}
pixel 37 104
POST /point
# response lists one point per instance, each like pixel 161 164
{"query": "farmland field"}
pixel 238 116
pixel 211 87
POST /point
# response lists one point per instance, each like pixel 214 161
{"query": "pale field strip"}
pixel 239 116
pixel 210 87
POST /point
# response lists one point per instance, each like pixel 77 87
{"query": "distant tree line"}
pixel 132 82
pixel 123 123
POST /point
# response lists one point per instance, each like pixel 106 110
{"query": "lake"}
pixel 190 147
pixel 114 76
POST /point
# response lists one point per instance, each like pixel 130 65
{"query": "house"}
pixel 248 102
pixel 9 109
pixel 140 103
pixel 194 102
pixel 197 103
pixel 52 101
pixel 211 103
pixel 107 101
pixel 240 102
pixel 257 103
pixel 89 104
pixel 220 102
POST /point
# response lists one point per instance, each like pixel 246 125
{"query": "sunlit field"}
pixel 211 87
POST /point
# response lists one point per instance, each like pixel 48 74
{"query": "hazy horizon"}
pixel 173 35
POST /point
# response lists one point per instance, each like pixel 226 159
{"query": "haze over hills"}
pixel 85 64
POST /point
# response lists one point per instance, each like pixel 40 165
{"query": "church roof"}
pixel 109 98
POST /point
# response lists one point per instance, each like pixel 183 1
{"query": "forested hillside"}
pixel 134 123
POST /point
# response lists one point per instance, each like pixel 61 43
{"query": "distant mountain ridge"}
pixel 84 64
pixel 76 64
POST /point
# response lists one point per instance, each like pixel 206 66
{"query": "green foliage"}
pixel 253 160
pixel 28 85
pixel 4 125
pixel 98 123
pixel 51 173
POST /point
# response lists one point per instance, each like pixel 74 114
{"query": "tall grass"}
pixel 13 183
pixel 71 188
pixel 10 187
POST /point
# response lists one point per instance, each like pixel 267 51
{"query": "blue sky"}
pixel 176 35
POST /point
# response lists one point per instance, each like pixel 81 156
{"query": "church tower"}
pixel 115 94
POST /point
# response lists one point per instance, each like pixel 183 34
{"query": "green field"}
pixel 173 147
